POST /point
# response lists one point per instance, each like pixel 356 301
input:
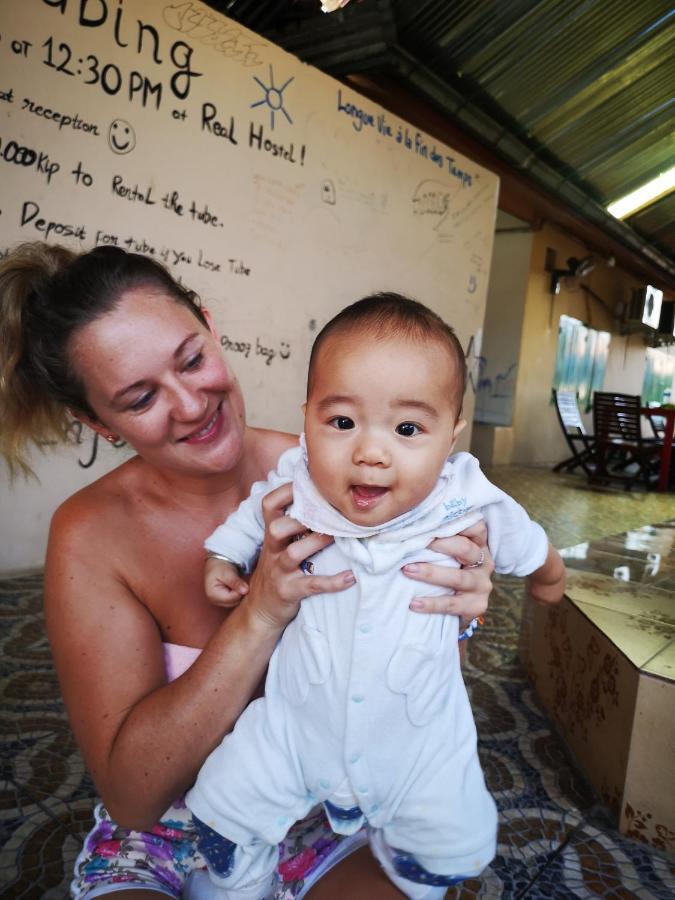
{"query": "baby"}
pixel 365 709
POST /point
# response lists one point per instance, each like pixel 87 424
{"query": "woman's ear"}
pixel 209 321
pixel 95 425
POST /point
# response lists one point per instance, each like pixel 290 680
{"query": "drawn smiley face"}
pixel 121 136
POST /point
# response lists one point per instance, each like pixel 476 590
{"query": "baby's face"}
pixel 379 424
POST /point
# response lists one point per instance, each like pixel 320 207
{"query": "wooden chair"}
pixel 622 454
pixel 578 440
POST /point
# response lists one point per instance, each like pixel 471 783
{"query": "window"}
pixel 658 381
pixel 581 359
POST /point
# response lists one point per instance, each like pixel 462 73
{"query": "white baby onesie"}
pixel 365 706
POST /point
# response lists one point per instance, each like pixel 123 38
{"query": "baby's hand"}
pixel 223 584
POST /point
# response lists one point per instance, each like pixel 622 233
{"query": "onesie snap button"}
pixel 374 808
pixel 365 628
pixel 358 698
pixel 354 758
pixel 324 784
pixel 363 789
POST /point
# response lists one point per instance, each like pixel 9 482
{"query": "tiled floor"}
pixel 554 841
pixel 572 512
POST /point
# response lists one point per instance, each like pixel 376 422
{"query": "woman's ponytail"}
pixel 29 413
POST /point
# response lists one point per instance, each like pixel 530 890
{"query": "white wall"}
pixel 273 191
pixel 625 364
pixel 503 321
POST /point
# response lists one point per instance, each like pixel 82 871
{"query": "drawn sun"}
pixel 273 97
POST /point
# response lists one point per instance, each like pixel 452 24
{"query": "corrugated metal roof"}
pixel 591 81
pixel 656 222
pixel 586 86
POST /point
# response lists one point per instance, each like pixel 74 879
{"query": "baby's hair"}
pixel 47 294
pixel 385 315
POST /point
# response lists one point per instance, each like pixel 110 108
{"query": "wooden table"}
pixel 667 413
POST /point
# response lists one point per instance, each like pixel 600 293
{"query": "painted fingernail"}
pixel 416 604
pixel 411 567
pixel 349 578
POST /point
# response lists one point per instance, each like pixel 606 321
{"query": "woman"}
pixel 152 675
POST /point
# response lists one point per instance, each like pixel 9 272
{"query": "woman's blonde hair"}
pixel 47 293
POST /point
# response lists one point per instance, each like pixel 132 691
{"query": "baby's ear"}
pixel 460 425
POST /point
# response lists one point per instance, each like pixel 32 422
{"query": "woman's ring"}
pixel 478 563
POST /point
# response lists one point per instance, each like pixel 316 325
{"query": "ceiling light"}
pixel 644 195
pixel 333 5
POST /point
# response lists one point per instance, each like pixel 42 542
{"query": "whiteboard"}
pixel 274 191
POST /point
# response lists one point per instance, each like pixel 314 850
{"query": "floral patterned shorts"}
pixel 161 859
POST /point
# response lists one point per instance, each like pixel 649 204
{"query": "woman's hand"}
pixel 471 583
pixel 278 583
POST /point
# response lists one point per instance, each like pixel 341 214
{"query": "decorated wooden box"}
pixel 603 666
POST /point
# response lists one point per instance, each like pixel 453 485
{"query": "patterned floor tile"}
pixel 598 862
pixel 37 861
pixel 40 756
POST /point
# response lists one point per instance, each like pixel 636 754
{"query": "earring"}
pixel 111 438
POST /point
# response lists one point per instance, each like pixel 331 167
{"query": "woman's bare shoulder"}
pixel 101 504
pixel 266 446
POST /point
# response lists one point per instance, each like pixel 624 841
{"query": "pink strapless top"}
pixel 178 659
